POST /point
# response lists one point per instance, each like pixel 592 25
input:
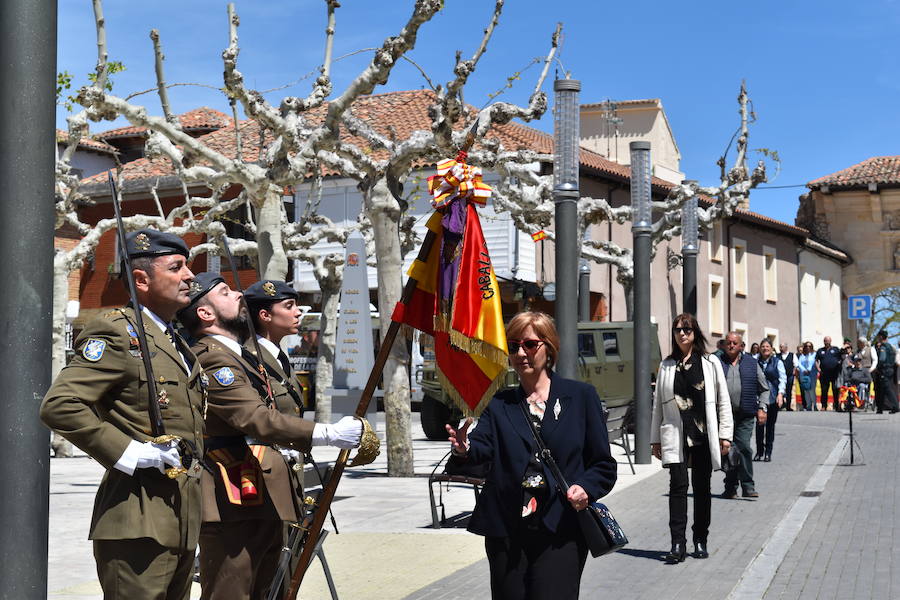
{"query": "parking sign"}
pixel 859 307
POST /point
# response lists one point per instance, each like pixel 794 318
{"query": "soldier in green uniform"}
pixel 145 526
pixel 276 313
pixel 885 388
pixel 249 495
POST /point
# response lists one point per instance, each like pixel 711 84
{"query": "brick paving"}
pixel 844 549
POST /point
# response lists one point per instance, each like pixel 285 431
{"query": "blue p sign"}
pixel 859 307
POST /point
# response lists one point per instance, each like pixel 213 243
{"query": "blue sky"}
pixel 824 76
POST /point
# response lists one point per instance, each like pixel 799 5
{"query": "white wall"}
pixel 820 299
pixel 512 252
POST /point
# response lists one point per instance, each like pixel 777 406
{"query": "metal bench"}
pixel 617 428
pixel 450 473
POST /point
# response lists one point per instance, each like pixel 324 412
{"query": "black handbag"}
pixel 600 529
pixel 732 460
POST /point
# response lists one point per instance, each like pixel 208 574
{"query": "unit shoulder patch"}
pixel 93 349
pixel 224 376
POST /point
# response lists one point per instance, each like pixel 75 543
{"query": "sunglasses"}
pixel 529 345
pixel 684 330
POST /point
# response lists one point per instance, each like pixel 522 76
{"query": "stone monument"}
pixel 354 353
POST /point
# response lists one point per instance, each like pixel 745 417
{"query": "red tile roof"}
pixel 199 119
pixel 62 137
pixel 882 170
pixel 395 114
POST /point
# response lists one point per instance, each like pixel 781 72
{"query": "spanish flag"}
pixel 538 235
pixel 456 299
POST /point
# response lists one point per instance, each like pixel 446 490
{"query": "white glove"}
pixel 344 434
pixel 290 454
pixel 144 455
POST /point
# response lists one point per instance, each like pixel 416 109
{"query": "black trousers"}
pixel 826 381
pixel 885 392
pixel 701 472
pixel 537 564
pixel 765 434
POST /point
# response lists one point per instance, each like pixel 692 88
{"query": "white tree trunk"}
pixel 331 295
pixel 62 448
pixel 273 262
pixel 384 212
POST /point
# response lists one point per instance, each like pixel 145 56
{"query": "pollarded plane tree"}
pixel 528 197
pixel 302 137
pixel 379 162
pixel 205 213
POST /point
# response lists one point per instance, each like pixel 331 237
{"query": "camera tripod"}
pixel 850 400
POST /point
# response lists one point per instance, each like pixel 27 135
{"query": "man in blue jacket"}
pixel 748 389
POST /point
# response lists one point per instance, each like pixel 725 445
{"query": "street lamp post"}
pixel 565 197
pixel 641 226
pixel 27 107
pixel 690 245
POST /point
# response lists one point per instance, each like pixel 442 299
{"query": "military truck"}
pixel 606 360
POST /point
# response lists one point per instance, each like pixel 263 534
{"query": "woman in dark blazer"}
pixel 532 539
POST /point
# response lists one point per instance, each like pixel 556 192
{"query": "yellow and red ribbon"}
pixel 457 180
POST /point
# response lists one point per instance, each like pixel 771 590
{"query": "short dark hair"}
pixel 258 305
pixel 188 316
pixel 140 263
pixel 687 320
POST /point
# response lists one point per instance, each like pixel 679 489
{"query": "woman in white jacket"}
pixel 691 427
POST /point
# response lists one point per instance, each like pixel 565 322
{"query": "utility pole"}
pixel 27 168
pixel 641 227
pixel 566 162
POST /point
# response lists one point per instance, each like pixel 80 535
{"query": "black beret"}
pixel 151 242
pixel 270 289
pixel 200 286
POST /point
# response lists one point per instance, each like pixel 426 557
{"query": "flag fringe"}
pixel 462 342
pixel 492 389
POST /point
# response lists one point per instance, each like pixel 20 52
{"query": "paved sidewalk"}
pixel 387 548
pixel 844 549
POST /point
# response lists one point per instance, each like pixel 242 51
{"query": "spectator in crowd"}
pixel 776 377
pixel 865 360
pixel 692 432
pixel 747 388
pixel 754 350
pixel 534 546
pixel 790 369
pixel 720 348
pixel 828 365
pixel 806 376
pixel 848 367
pixel 885 383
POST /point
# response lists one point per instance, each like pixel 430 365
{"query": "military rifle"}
pixel 157 429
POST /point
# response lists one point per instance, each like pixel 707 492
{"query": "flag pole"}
pixel 314 529
pixel 328 491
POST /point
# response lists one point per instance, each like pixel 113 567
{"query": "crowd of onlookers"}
pixel 864 376
pixel 706 409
